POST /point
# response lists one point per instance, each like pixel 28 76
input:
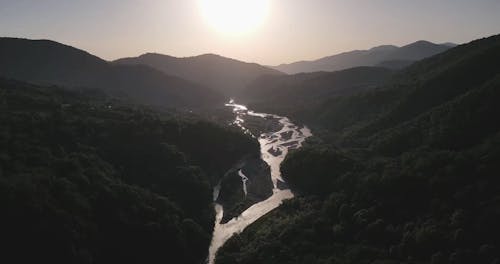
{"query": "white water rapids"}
pixel 279 143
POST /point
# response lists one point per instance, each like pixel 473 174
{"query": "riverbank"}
pixel 237 193
pixel 277 135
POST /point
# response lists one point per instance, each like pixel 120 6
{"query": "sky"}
pixel 293 30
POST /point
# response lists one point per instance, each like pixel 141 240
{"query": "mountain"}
pixel 277 94
pixel 373 57
pixel 449 44
pixel 403 173
pixel 227 76
pixel 48 62
pixel 395 64
pixel 417 89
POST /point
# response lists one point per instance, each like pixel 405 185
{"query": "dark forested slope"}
pixel 290 94
pixel 412 178
pixel 48 62
pixel 88 179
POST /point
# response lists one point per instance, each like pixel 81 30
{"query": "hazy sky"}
pixel 294 29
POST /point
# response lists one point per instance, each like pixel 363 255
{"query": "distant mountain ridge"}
pixel 52 63
pixel 377 56
pixel 225 75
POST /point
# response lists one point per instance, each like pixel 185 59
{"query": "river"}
pixel 289 137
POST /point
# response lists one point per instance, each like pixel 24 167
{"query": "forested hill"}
pixel 47 62
pixel 89 179
pixel 415 91
pixel 290 93
pixel 406 173
pixel 225 75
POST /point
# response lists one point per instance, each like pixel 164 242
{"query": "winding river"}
pixel 274 147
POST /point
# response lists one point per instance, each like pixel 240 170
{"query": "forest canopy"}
pixel 88 179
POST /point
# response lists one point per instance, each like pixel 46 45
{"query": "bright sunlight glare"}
pixel 235 16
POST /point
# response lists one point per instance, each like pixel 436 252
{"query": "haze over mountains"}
pixel 387 56
pixel 225 75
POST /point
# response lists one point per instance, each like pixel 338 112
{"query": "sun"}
pixel 235 16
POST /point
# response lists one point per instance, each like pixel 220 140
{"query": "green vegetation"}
pixel 404 173
pixel 87 179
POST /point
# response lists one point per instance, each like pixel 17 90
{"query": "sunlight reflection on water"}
pixel 267 141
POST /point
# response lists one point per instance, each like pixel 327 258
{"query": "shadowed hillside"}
pixel 88 179
pixel 227 76
pixel 48 62
pixel 289 93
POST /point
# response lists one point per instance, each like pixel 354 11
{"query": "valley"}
pixel 267 140
pixel 387 155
